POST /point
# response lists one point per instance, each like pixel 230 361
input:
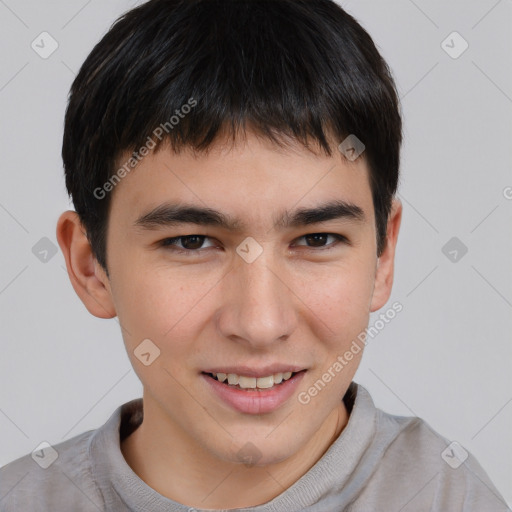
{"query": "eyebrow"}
pixel 170 214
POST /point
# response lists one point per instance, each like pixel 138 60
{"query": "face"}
pixel 264 293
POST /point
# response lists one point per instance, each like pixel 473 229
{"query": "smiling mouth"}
pixel 233 380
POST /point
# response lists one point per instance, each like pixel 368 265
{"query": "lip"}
pixel 254 402
pixel 251 371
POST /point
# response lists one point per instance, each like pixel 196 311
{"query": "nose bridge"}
pixel 258 306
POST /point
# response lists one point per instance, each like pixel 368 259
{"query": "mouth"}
pixel 247 383
pixel 251 394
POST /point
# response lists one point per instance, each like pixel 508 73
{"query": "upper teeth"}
pixel 253 382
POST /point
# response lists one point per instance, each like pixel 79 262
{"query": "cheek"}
pixel 172 307
pixel 340 301
pixel 169 308
pixel 156 296
pixel 159 307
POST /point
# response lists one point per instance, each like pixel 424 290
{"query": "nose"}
pixel 259 306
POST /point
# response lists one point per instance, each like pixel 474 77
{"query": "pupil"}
pixel 316 238
pixel 199 241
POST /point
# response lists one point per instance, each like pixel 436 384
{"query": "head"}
pixel 222 119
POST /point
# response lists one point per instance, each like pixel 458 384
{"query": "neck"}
pixel 177 468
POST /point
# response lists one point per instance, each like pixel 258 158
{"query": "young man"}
pixel 233 165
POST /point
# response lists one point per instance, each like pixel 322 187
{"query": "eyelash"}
pixel 169 242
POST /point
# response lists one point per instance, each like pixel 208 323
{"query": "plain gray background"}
pixel 446 357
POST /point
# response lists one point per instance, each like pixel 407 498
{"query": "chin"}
pixel 259 453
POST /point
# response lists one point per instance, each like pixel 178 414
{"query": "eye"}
pixel 318 240
pixel 189 243
pixel 193 244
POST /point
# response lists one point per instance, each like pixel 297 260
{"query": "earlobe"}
pixel 87 277
pixel 385 264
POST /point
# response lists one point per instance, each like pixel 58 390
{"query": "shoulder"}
pixel 49 477
pixel 423 470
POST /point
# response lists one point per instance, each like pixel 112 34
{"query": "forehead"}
pixel 253 179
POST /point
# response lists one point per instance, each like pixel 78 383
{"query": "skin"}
pixel 297 303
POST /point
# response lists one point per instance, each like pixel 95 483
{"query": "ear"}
pixel 85 273
pixel 385 263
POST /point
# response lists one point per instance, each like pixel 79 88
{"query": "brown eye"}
pixel 187 243
pixel 192 242
pixel 319 240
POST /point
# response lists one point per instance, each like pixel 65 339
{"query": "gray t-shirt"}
pixel 379 462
